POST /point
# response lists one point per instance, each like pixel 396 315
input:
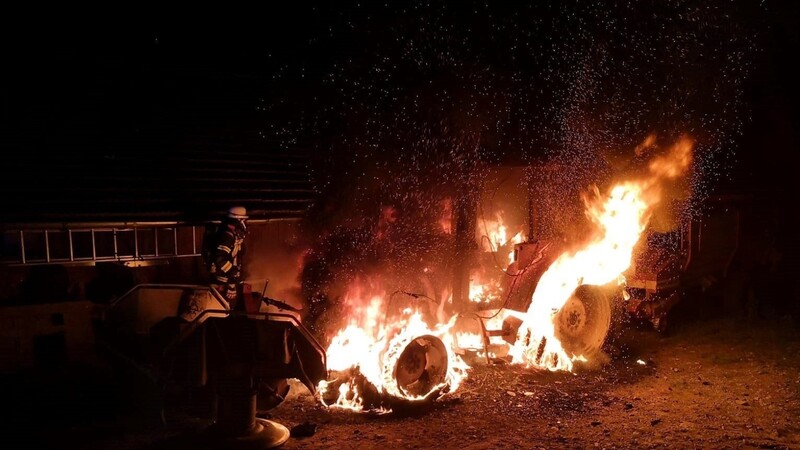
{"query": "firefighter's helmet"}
pixel 237 212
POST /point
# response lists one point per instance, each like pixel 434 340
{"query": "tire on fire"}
pixel 583 323
pixel 422 366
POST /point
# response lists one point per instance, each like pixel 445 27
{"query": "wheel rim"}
pixel 422 366
pixel 583 322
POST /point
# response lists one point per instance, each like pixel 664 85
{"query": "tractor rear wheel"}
pixel 583 322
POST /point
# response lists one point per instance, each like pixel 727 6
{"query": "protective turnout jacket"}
pixel 226 256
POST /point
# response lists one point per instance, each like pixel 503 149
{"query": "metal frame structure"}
pixel 21 253
pixel 138 253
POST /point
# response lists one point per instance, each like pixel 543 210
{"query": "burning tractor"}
pixel 519 292
pixel 558 301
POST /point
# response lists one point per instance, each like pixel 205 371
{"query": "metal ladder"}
pixel 132 245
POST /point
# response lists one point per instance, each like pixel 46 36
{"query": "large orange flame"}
pixel 485 287
pixel 620 216
pixel 372 342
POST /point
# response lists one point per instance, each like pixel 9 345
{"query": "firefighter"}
pixel 224 251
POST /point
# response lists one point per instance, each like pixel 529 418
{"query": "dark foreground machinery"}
pixel 184 349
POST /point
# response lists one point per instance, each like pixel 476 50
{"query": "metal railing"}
pixel 90 245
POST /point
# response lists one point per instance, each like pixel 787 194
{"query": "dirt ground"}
pixel 710 384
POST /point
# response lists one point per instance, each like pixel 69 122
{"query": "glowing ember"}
pixel 469 333
pixel 473 341
pixel 620 217
pixel 518 238
pixel 484 291
pixel 446 218
pixel 369 348
pixel 493 234
pixel 485 286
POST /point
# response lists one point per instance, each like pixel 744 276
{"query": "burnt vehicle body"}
pixel 706 257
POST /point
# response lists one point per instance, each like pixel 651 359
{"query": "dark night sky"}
pixel 308 74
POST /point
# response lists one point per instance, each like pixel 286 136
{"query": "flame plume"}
pixel 620 217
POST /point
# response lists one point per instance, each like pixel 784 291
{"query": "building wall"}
pixel 45 335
